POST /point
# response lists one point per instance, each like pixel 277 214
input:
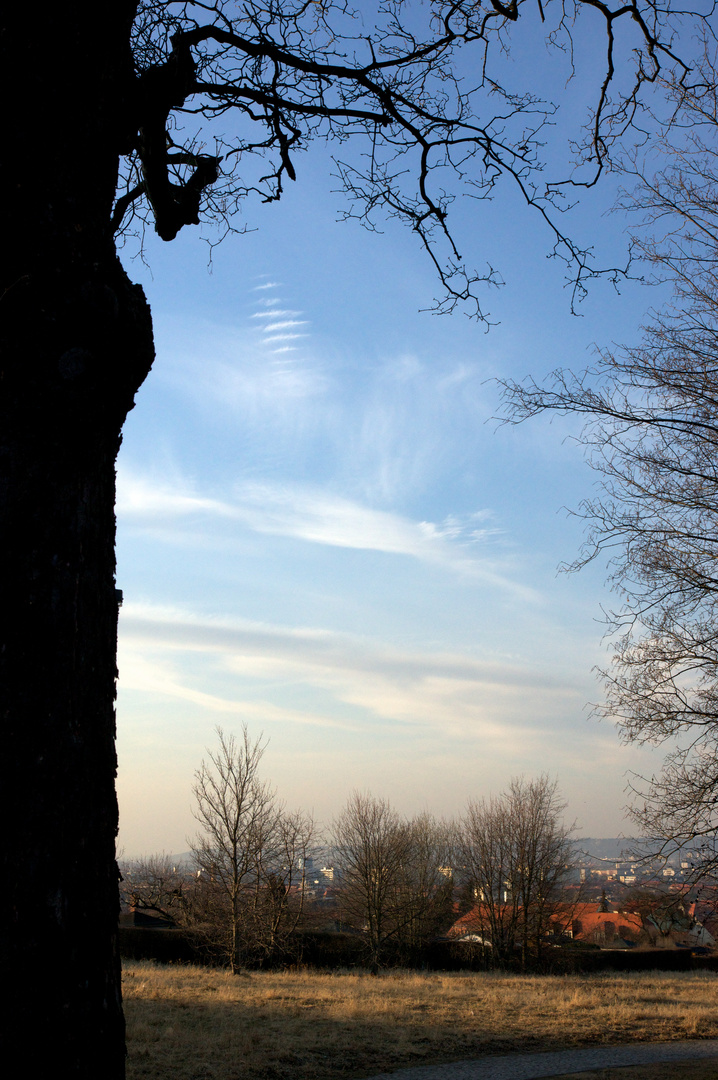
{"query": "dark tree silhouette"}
pixel 163 113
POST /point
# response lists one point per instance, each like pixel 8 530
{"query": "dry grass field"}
pixel 192 1023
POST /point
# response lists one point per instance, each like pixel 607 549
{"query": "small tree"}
pixel 237 815
pixel 278 901
pixel 372 847
pixel 250 856
pixel 392 875
pixel 544 855
pixel 426 884
pixel 516 853
pixel 487 859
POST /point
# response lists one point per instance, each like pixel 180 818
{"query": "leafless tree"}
pixel 487 859
pixel 391 874
pixel 516 851
pixel 425 888
pixel 652 435
pixel 544 856
pixel 250 855
pixel 421 85
pixel 237 815
pixel 278 902
pixel 371 846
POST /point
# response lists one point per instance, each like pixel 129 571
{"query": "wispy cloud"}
pixel 455 694
pixel 140 500
pixel 320 517
pixel 277 326
pixel 423 727
pixel 236 373
pixel 285 337
pixel 461 527
pixel 324 518
pixel 388 430
pixel 159 676
pixel 286 324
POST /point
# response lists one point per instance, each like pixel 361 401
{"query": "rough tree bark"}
pixel 76 345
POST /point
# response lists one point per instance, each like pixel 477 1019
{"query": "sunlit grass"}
pixel 198 1024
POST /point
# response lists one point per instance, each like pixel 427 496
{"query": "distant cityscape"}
pixel 612 864
pixel 609 863
pixel 610 898
pixel 602 865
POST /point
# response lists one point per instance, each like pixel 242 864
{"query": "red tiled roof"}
pixel 622 924
pixel 478 921
pixel 475 921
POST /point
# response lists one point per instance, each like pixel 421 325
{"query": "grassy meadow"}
pixel 192 1023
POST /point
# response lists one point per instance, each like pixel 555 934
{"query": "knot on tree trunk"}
pixel 162 89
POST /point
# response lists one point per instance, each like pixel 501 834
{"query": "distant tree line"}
pixel 399 883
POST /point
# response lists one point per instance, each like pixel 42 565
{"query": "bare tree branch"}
pixel 393 885
pixel 652 435
pixel 421 89
pixel 516 853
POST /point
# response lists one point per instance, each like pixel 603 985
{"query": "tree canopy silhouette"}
pixel 422 90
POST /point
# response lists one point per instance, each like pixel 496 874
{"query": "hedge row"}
pixel 340 950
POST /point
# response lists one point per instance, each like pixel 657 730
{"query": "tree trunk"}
pixel 234 960
pixel 76 342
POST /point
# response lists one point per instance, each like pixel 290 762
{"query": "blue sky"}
pixel 322 532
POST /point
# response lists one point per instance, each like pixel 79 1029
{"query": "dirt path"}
pixel 690 1060
pixel 684 1070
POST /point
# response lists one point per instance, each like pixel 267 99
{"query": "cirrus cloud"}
pixel 316 516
